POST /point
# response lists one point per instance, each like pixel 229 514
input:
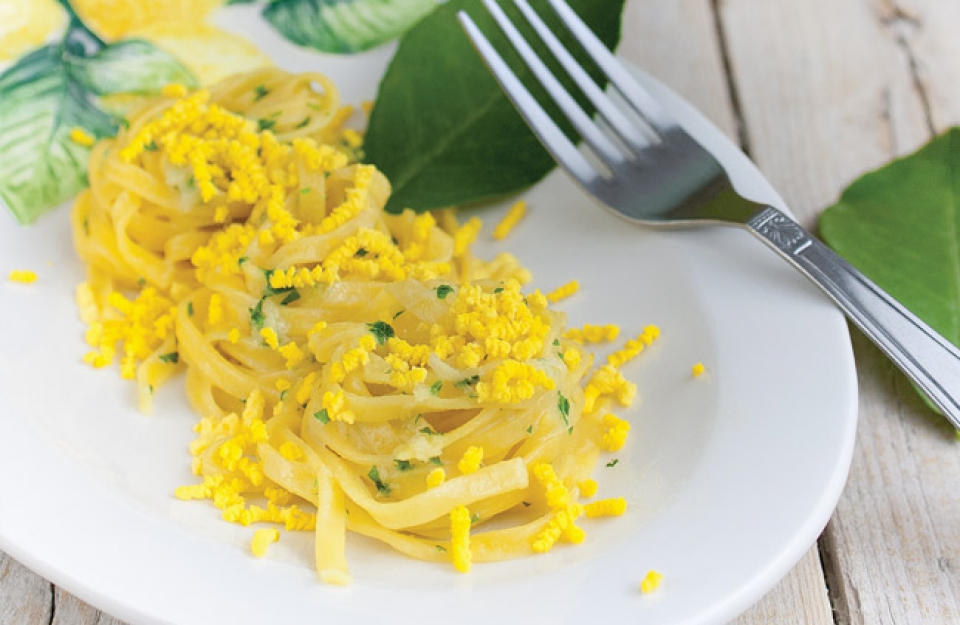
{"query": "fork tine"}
pixel 553 139
pixel 644 104
pixel 627 131
pixel 591 133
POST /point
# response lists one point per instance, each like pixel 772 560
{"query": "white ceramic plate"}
pixel 730 477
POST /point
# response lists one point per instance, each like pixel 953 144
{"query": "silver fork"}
pixel 670 180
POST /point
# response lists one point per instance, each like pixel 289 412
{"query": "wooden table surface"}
pixel 817 92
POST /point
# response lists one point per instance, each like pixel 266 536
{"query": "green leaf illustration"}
pixel 900 225
pixel 345 26
pixel 442 130
pixel 53 90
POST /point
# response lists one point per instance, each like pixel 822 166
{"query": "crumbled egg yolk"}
pixel 510 220
pixel 262 539
pixel 472 460
pixel 633 347
pixel 593 334
pixel 22 276
pixel 588 487
pixel 650 582
pixel 615 506
pixel 562 522
pixel 564 291
pixel 139 326
pixel 614 433
pixel 232 472
pixel 436 477
pixel 82 137
pixel 698 369
pixel 460 539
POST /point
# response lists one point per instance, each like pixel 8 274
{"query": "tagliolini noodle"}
pixel 355 370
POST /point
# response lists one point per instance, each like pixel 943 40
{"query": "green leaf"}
pixel 53 90
pixel 900 226
pixel 442 130
pixel 345 26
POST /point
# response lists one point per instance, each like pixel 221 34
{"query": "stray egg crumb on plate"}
pixel 698 369
pixel 22 276
pixel 353 370
pixel 651 582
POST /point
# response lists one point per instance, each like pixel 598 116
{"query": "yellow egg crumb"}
pixel 564 291
pixel 471 461
pixel 615 506
pixel 588 488
pixel 23 276
pixel 460 552
pixel 262 539
pixel 510 220
pixel 593 333
pixel 81 137
pixel 614 433
pixel 650 582
pixel 234 335
pixel 436 477
pixel 698 369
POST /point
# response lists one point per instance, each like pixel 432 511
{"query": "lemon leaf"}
pixel 900 226
pixel 442 131
pixel 130 66
pixel 345 26
pixel 53 90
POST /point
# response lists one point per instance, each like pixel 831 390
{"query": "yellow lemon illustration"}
pixel 25 24
pixel 209 52
pixel 114 19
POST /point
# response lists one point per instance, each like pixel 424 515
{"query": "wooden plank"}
pixel 25 597
pixel 72 611
pixel 831 89
pixel 800 598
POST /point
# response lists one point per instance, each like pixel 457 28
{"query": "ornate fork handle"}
pixel 926 357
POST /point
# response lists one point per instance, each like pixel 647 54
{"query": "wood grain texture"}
pixel 25 597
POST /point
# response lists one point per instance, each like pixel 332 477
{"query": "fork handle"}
pixel 928 359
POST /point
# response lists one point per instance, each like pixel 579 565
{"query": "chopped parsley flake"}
pixel 464 383
pixel 360 253
pixel 563 404
pixel 257 318
pixel 613 463
pixel 151 147
pixel 428 431
pixel 382 488
pixel 291 297
pixel 437 461
pixel 403 465
pixel 306 120
pixel 322 416
pixel 398 313
pixel 381 330
pixel 441 548
pixel 259 92
pixel 172 358
pixel 443 291
pixel 189 309
pixel 436 387
pixel 474 518
pixel 305 190
pixel 242 260
pixel 499 289
pixel 265 124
